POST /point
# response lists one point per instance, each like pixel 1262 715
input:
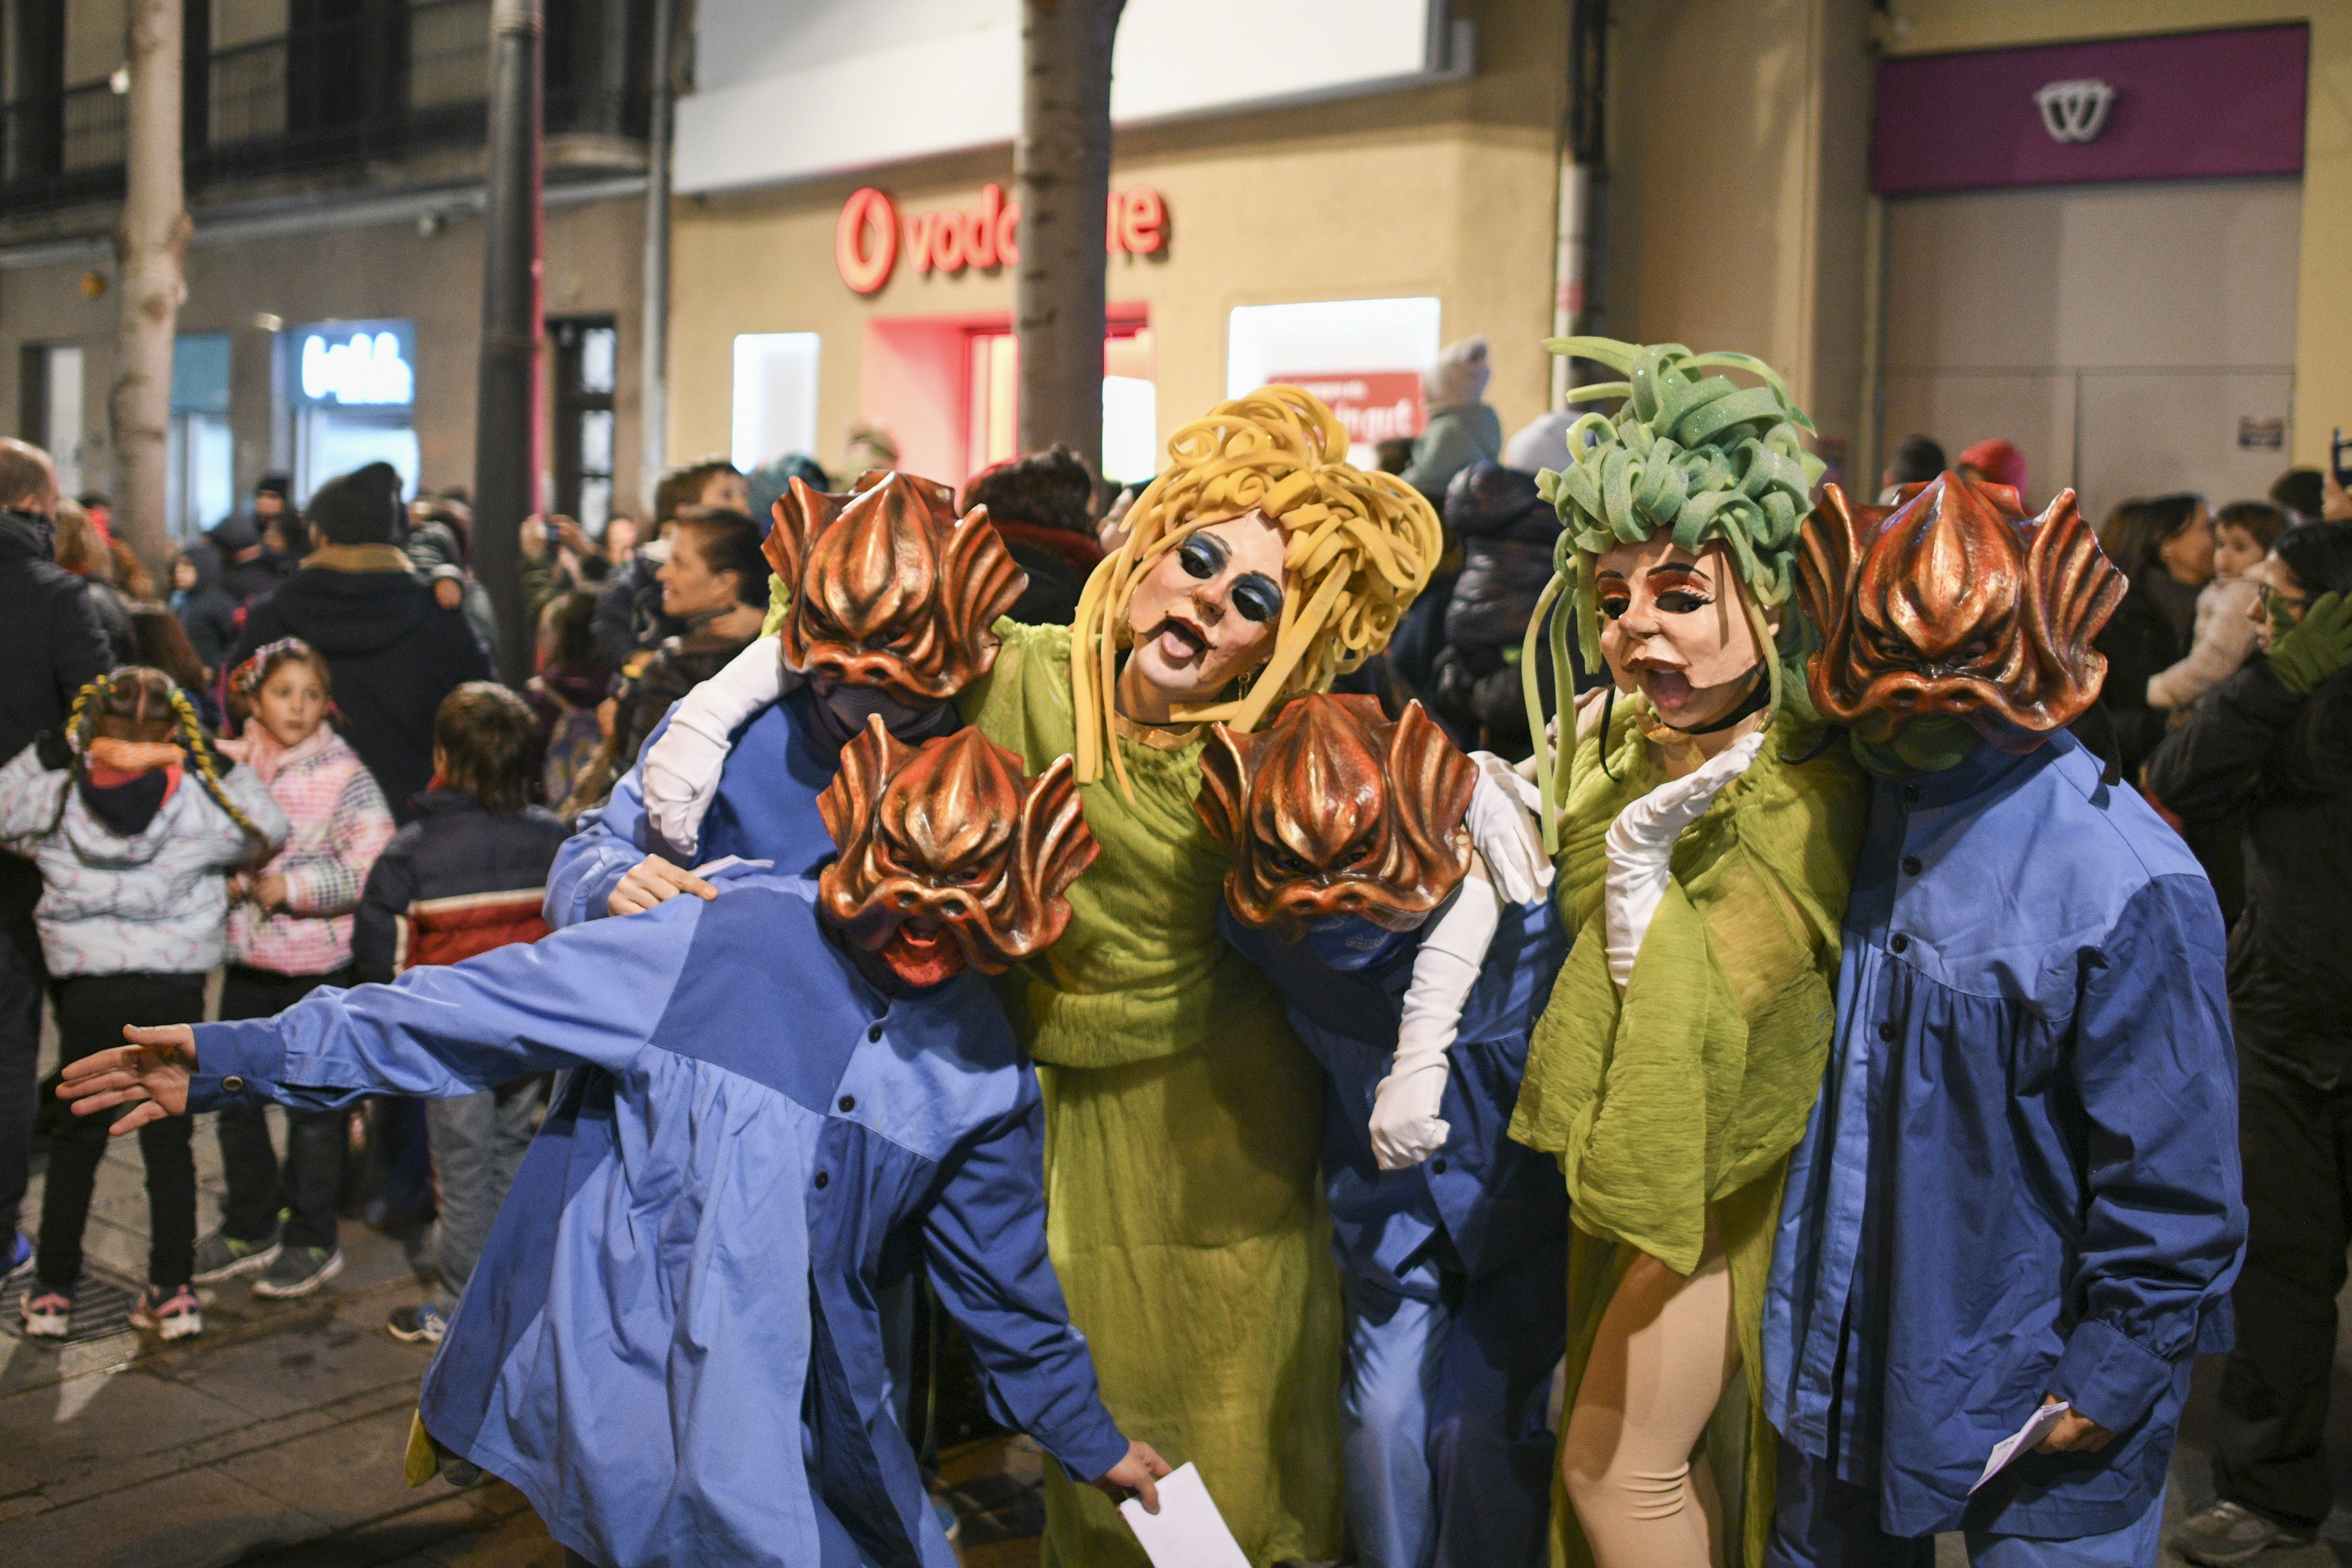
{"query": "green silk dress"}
pixel 1182 1123
pixel 1672 1109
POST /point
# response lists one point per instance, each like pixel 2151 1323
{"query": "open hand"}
pixel 1134 1476
pixel 150 1074
pixel 652 880
pixel 2074 1434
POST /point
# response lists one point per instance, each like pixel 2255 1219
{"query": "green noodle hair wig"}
pixel 1688 453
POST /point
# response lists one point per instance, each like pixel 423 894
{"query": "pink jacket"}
pixel 341 825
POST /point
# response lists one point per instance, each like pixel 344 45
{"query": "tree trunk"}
pixel 151 242
pixel 1061 174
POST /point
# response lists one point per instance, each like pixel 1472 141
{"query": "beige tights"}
pixel 1665 1350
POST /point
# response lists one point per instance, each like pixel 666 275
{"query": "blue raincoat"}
pixel 2021 1175
pixel 671 1344
pixel 765 810
pixel 1456 1270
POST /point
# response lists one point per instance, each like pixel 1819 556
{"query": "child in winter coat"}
pixel 131 816
pixel 289 932
pixel 468 875
pixel 2242 535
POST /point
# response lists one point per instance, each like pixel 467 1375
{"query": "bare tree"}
pixel 151 242
pixel 1061 174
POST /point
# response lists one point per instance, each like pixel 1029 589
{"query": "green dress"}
pixel 1182 1123
pixel 1732 993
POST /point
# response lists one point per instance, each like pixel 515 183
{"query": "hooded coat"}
pixel 55 643
pixel 207 612
pixel 395 654
pixel 1507 532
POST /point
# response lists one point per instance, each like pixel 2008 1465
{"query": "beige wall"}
pixel 1445 190
pixel 595 263
pixel 2323 354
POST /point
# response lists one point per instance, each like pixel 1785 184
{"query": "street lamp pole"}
pixel 507 420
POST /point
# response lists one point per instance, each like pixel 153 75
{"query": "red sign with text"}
pixel 1375 405
pixel 870 235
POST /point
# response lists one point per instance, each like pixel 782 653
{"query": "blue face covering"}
pixel 1349 942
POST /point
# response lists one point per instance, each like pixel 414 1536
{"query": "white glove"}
pixel 1641 847
pixel 1502 826
pixel 682 769
pixel 1406 1128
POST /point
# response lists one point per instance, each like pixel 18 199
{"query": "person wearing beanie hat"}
pixel 1463 429
pixel 394 652
pixel 1995 461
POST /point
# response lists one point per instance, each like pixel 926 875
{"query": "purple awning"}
pixel 2182 106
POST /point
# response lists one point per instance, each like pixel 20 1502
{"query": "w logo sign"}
pixel 2074 110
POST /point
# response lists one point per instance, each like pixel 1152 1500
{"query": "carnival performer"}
pixel 1412 969
pixel 1185 1116
pixel 772 1089
pixel 1704 838
pixel 2020 1187
pixel 882 600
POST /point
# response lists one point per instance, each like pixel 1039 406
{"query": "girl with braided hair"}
pixel 1704 837
pixel 132 818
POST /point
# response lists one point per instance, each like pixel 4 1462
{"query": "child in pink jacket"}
pixel 289 933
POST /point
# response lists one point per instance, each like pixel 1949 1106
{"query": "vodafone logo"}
pixel 870 235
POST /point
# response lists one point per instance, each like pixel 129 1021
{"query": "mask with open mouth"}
pixel 890 588
pixel 1957 602
pixel 1335 810
pixel 950 859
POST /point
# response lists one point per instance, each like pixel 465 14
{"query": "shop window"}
pixel 1363 357
pixel 775 396
pixel 352 388
pixel 1130 448
pixel 199 484
pixel 587 354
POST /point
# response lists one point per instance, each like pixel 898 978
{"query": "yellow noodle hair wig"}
pixel 1360 546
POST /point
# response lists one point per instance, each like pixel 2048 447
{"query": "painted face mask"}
pixel 1335 812
pixel 1954 603
pixel 949 858
pixel 890 589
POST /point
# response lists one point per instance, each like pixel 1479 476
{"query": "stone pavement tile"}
pixel 98 1419
pixel 310 1362
pixel 197 1519
pixel 346 1475
pixel 518 1540
pixel 450 1521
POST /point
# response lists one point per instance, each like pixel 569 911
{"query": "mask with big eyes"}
pixel 891 590
pixel 1254 596
pixel 949 858
pixel 1954 602
pixel 1334 811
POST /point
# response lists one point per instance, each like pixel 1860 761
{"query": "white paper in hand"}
pixel 1188 1532
pixel 2037 1427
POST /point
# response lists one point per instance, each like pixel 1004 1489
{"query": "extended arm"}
pixel 2163 1229
pixel 592 863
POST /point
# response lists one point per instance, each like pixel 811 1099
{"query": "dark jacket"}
pixel 629 613
pixel 2285 761
pixel 206 612
pixel 395 654
pixel 1506 531
pixel 2140 639
pixel 683 663
pixel 1058 562
pixel 55 644
pixel 430 898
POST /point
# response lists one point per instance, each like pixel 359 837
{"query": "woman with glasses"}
pixel 2275 742
pixel 1183 1116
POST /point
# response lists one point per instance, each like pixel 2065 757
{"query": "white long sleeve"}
pixel 1640 848
pixel 1406 1128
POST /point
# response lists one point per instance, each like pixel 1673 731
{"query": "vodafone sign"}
pixel 870 235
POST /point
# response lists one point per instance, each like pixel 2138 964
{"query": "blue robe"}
pixel 765 810
pixel 2021 1175
pixel 671 1342
pixel 1456 1270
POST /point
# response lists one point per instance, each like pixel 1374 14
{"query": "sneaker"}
pixel 17 1258
pixel 48 1312
pixel 221 1255
pixel 173 1315
pixel 2225 1532
pixel 420 1325
pixel 299 1270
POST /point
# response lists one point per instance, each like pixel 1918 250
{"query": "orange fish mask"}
pixel 891 590
pixel 950 859
pixel 1954 602
pixel 1335 810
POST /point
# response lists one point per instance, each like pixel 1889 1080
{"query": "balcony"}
pixel 376 81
